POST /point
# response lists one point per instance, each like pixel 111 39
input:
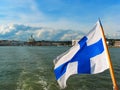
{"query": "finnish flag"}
pixel 88 56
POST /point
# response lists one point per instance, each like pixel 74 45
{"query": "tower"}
pixel 31 40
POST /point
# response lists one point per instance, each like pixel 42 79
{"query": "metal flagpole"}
pixel 115 86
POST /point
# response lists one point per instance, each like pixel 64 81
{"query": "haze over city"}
pixel 57 19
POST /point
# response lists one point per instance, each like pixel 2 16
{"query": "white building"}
pixel 75 42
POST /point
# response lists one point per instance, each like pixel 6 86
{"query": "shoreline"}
pixel 113 46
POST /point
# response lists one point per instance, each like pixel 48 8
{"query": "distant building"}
pixel 5 43
pixel 74 42
pixel 31 40
pixel 117 44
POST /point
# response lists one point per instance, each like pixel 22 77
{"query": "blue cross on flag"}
pixel 88 56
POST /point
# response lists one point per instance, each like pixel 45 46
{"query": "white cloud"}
pixel 23 32
pixel 6 29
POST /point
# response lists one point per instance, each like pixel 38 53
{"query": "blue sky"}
pixel 53 16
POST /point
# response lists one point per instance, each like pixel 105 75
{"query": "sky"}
pixel 57 19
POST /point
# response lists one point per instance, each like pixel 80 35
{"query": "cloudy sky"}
pixel 57 19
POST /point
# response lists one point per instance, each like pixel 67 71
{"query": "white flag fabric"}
pixel 88 56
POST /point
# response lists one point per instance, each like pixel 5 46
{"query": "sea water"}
pixel 31 68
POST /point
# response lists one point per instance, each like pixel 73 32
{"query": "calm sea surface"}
pixel 31 68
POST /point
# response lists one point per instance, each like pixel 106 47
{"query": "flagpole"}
pixel 115 86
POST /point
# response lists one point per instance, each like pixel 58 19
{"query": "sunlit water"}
pixel 31 68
